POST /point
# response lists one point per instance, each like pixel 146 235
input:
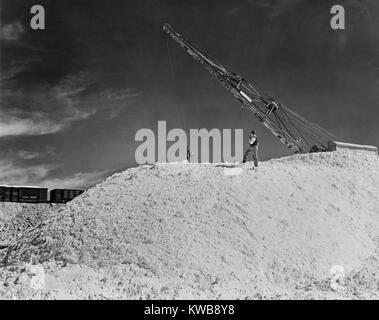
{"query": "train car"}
pixel 33 195
pixel 5 193
pixel 23 194
pixel 64 195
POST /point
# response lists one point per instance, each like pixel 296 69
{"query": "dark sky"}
pixel 74 95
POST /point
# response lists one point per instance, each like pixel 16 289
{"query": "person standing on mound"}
pixel 253 143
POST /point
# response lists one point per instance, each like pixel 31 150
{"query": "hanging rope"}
pixel 172 70
pixel 170 58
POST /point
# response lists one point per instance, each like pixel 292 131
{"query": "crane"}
pixel 296 132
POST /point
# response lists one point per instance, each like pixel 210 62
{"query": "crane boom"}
pixel 297 133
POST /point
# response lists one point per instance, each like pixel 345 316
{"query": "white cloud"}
pixel 78 180
pixel 11 174
pixel 122 94
pixel 28 155
pixel 30 124
pixel 12 31
pixel 17 66
pixel 113 102
pixel 72 85
pixel 42 153
pixel 41 109
pixel 13 126
pixel 12 71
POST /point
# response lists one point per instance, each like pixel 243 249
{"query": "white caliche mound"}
pixel 286 225
pixel 16 218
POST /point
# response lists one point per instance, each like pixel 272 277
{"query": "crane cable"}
pixel 170 58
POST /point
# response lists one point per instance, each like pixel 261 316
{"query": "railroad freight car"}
pixel 8 194
pixel 64 195
pixel 23 194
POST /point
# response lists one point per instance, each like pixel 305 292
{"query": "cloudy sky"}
pixel 74 95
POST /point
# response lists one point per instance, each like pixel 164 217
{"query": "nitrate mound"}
pixel 16 218
pixel 287 224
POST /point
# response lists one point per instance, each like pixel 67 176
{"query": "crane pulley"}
pixel 297 133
